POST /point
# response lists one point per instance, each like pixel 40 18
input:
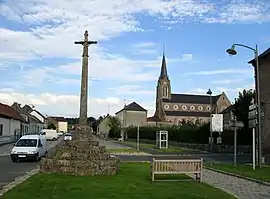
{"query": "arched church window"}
pixel 165 91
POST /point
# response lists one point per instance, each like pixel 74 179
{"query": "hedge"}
pixel 184 133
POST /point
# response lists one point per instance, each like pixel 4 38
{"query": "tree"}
pixel 115 126
pixel 241 111
pixel 51 126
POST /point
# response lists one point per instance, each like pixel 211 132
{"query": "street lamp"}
pixel 209 92
pixel 232 51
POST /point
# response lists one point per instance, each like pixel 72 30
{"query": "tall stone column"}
pixel 84 79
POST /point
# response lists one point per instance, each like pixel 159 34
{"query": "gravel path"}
pixel 241 188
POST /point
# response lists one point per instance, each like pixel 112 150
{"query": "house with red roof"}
pixel 10 121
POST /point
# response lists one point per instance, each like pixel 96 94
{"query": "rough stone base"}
pixel 81 156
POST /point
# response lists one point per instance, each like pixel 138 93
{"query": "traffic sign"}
pixel 252 106
pixel 252 114
pixel 236 124
pixel 252 123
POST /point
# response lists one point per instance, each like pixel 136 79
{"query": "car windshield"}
pixel 68 134
pixel 27 143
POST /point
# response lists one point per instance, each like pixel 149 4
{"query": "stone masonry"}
pixel 81 156
pixel 264 74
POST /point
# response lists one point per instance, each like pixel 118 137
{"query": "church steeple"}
pixel 163 72
pixel 163 89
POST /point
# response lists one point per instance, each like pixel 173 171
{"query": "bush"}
pixel 184 133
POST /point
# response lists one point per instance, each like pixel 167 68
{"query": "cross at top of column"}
pixel 86 35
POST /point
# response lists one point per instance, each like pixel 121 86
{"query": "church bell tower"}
pixel 163 89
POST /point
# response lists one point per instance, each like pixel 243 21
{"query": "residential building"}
pixel 175 108
pixel 10 121
pixel 103 127
pixel 132 115
pixel 264 82
pixel 37 114
pixel 60 123
pixel 31 124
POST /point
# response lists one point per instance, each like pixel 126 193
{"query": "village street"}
pixel 10 170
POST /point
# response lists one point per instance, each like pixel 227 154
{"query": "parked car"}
pixel 68 136
pixel 29 147
pixel 50 134
pixel 61 133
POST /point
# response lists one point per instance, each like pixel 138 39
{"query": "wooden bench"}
pixel 194 166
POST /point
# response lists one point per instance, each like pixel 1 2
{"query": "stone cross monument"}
pixel 84 79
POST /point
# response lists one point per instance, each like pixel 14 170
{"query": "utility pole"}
pixel 84 78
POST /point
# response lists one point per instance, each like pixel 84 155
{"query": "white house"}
pixel 10 122
pixel 31 124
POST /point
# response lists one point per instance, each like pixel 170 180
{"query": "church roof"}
pixel 132 107
pixel 191 99
pixel 186 113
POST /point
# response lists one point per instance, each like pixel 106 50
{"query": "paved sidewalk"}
pixel 241 188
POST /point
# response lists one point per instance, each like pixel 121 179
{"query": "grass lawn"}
pixel 132 181
pixel 120 150
pixel 152 146
pixel 245 170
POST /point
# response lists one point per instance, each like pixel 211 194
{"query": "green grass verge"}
pixel 132 181
pixel 152 146
pixel 244 170
pixel 120 150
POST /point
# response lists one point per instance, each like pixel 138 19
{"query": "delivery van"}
pixel 50 134
pixel 29 147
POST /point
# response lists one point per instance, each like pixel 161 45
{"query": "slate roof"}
pixel 8 112
pixel 228 109
pixel 25 111
pixel 185 113
pixel 191 99
pixel 154 119
pixel 263 55
pixel 132 107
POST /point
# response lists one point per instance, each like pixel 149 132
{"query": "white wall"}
pixel 62 126
pixel 9 126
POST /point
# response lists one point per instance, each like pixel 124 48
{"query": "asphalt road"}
pixel 10 170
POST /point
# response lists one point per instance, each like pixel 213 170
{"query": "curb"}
pixel 132 161
pixel 239 176
pixel 18 181
pixel 131 154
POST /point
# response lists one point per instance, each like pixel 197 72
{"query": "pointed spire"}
pixel 163 72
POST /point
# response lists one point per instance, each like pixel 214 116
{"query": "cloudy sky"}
pixel 41 65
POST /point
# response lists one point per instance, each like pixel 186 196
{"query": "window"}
pixel 165 91
pixel 27 143
pixel 1 129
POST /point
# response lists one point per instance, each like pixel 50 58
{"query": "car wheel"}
pixel 37 158
pixel 14 159
pixel 45 154
pixel 54 139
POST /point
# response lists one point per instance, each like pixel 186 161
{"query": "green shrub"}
pixel 184 133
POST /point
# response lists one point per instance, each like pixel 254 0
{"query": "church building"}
pixel 176 108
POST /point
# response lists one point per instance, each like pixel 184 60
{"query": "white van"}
pixel 50 134
pixel 29 147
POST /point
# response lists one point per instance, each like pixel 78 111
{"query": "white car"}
pixel 67 136
pixel 29 147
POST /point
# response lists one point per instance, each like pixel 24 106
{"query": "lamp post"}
pixel 209 92
pixel 232 51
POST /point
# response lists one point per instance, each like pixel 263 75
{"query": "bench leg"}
pixel 153 177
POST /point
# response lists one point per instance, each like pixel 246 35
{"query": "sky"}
pixel 41 65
